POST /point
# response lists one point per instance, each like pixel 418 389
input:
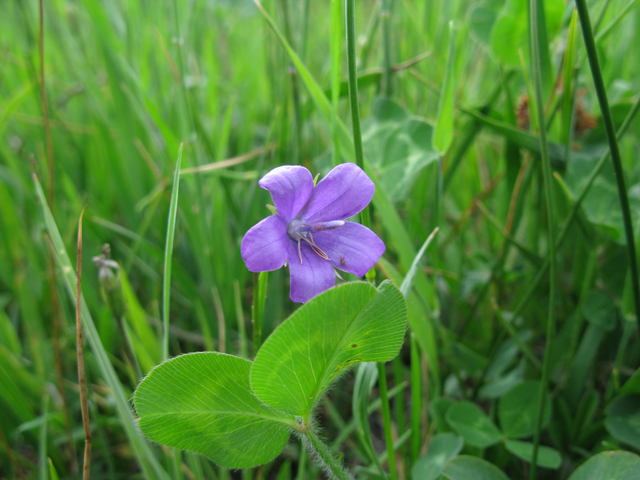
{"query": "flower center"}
pixel 299 231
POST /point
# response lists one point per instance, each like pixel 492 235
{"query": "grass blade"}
pixel 141 449
pixel 443 133
pixel 616 159
pixel 168 251
pixel 537 71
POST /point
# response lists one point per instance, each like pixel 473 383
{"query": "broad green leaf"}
pixel 547 457
pixel 397 145
pixel 614 465
pixel 600 310
pixel 443 132
pixel 623 419
pixel 518 409
pixel 202 402
pixel 442 447
pixel 472 423
pixel 471 468
pixel 345 325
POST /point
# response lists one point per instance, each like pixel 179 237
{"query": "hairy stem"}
pixel 317 446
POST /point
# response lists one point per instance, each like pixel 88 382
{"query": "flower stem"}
pixel 259 297
pixel 315 445
pixel 536 71
pixel 353 95
pixel 590 44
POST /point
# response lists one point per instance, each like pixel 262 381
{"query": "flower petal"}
pixel 265 246
pixel 345 191
pixel 290 187
pixel 311 277
pixel 352 248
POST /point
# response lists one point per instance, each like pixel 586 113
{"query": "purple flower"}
pixel 309 230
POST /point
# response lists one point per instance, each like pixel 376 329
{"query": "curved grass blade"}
pixel 168 250
pixel 141 450
pixel 616 159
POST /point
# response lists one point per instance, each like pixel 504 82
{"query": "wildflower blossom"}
pixel 310 231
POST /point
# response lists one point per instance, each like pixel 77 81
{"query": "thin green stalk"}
pixel 242 333
pixel 295 89
pixel 336 48
pixel 257 310
pixel 616 159
pixel 385 15
pixel 168 252
pixel 42 441
pixel 364 215
pixel 386 420
pixel 548 190
pixel 353 95
pixel 399 413
pixel 305 29
pixel 416 400
pixel 315 445
pixel 302 464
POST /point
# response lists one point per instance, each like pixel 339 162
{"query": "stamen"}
pixel 317 250
pixel 298 231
